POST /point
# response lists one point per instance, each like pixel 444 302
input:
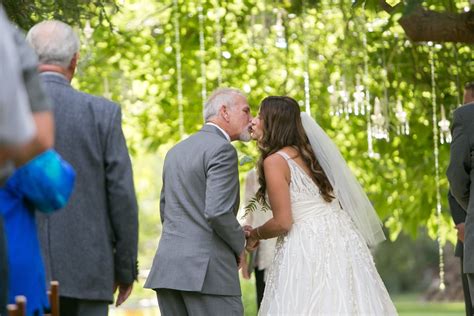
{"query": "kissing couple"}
pixel 323 219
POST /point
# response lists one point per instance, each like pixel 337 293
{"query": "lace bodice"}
pixel 306 199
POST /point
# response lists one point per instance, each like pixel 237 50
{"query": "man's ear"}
pixel 225 113
pixel 73 63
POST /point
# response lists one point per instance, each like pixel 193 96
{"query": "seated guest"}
pixel 102 216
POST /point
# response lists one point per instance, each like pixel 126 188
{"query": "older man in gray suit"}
pixel 195 270
pixel 90 247
pixel 461 177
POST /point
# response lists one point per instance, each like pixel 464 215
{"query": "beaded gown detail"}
pixel 322 266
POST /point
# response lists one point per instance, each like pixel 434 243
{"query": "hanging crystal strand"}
pixel 306 63
pixel 306 91
pixel 458 71
pixel 178 68
pixel 307 101
pixel 436 156
pixel 219 44
pixel 202 54
pixel 385 104
pixel 370 145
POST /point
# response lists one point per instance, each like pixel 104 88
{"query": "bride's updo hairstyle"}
pixel 282 127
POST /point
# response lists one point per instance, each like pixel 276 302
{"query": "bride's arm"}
pixel 277 177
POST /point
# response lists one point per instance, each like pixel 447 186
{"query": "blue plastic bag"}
pixel 46 181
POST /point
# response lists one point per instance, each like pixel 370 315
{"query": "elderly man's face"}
pixel 239 119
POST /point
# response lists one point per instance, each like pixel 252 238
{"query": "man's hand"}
pixel 124 292
pixel 252 241
pixel 240 259
pixel 460 229
pixel 245 267
pixel 247 229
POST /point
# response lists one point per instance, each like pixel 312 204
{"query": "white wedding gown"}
pixel 323 265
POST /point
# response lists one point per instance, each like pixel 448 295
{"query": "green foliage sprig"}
pixel 255 204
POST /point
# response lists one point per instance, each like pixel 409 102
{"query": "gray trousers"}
pixel 183 303
pixel 470 280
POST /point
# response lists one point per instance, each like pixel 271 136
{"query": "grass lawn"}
pixel 406 304
pixel 411 305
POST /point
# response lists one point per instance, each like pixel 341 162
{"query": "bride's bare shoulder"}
pixel 275 160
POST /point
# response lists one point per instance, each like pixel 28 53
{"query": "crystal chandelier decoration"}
pixel 379 122
pixel 88 31
pixel 333 101
pixel 343 95
pixel 358 95
pixel 444 130
pixel 403 128
pixel 279 29
pixel 340 99
pixel 343 102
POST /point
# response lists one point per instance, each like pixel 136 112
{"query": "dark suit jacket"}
pixel 459 216
pixel 461 173
pixel 201 237
pixel 92 242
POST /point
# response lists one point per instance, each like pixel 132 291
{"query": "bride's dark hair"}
pixel 282 127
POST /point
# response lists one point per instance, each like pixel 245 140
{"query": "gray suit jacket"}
pixel 92 242
pixel 201 237
pixel 461 174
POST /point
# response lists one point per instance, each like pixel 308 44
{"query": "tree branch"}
pixel 422 25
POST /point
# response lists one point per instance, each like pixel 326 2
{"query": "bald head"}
pixel 55 43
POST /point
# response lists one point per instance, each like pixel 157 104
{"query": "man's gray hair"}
pixel 55 42
pixel 221 96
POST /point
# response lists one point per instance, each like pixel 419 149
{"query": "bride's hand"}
pixel 252 241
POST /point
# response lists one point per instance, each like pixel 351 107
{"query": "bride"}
pixel 323 218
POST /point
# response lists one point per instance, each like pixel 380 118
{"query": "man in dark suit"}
pixel 459 175
pixel 195 270
pixel 90 246
pixel 459 217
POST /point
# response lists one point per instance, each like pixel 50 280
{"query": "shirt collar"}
pixel 223 132
pixel 53 73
